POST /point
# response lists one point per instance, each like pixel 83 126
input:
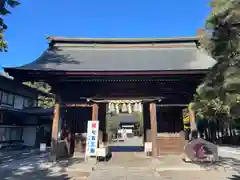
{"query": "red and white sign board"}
pixel 92 138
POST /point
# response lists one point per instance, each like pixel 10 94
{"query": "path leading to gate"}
pixel 129 174
pixel 126 165
pixel 138 160
pixel 133 166
pixel 130 141
pixel 122 166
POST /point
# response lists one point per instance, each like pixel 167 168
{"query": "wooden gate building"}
pixel 84 72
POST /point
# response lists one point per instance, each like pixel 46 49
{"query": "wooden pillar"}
pixel 147 126
pixel 102 121
pixel 55 128
pixel 153 122
pixel 95 112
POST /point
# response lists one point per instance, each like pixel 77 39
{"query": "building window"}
pixel 28 103
pixel 16 133
pixel 10 133
pixel 0 95
pixel 10 99
pixel 25 103
pixel 7 98
pixel 18 102
pixel 4 98
pixel 35 103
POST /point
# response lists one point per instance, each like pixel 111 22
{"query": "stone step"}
pixel 169 144
pixel 170 150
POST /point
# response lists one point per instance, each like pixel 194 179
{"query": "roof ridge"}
pixel 128 46
pixel 120 40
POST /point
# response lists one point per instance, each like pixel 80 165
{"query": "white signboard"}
pixel 148 147
pixel 43 147
pixel 92 138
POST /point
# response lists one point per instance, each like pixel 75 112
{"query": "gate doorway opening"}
pixel 74 128
pixel 127 132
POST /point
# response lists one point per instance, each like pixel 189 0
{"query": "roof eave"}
pixel 18 71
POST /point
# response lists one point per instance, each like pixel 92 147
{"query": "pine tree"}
pixel 5 5
pixel 44 101
pixel 219 94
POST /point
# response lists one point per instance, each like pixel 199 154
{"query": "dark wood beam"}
pixel 77 105
pixel 115 89
pixel 95 112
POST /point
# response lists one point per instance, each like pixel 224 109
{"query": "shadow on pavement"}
pixel 65 163
pixel 235 177
pixel 6 157
pixel 38 168
pixel 33 174
pixel 226 163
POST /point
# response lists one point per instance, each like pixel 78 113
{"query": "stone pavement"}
pixel 133 166
pixel 7 156
pixel 123 174
pixel 37 167
pixel 129 166
pixel 140 161
pixel 130 141
pixel 198 175
pixel 130 174
pixel 118 174
pixel 42 174
pixel 230 149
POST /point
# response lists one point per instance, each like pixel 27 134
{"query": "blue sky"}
pixel 34 19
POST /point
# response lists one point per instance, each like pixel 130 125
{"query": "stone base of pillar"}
pixel 185 158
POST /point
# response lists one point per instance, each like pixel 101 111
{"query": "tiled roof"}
pixel 67 54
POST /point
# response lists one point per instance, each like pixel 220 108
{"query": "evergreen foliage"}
pixel 44 101
pixel 219 94
pixel 5 5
